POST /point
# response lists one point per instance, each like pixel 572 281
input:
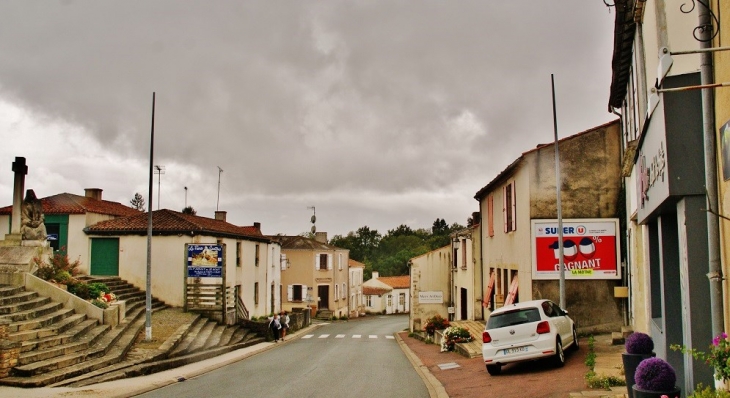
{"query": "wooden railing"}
pixel 210 298
pixel 241 310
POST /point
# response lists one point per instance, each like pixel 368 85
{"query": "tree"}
pixel 189 210
pixel 137 202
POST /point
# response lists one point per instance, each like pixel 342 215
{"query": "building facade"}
pixel 356 270
pixel 430 276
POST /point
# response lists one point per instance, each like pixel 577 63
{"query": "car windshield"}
pixel 516 317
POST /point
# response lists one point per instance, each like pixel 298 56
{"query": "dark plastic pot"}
pixel 631 361
pixel 676 393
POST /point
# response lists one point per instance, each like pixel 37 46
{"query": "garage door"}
pixel 105 256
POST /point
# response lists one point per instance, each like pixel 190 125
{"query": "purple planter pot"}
pixel 631 361
pixel 638 393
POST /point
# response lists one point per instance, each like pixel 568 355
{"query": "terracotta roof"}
pixel 301 243
pixel 66 203
pixel 355 264
pixel 168 222
pixel 374 291
pixel 623 44
pixel 397 282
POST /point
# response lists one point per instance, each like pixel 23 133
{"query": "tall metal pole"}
pixel 148 287
pixel 713 223
pixel 558 183
pixel 219 188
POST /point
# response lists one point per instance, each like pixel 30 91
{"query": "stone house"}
pixel 387 294
pixel 66 216
pixel 356 270
pixel 314 274
pixel 251 261
pixel 430 276
pixel 524 193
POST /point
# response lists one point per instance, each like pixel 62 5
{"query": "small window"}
pixel 296 292
pixel 323 262
pixel 256 293
pixel 390 300
pixel 369 301
pixel 336 292
pixel 238 254
pixel 402 299
pixel 509 203
pixel 257 255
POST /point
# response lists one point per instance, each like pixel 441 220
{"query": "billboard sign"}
pixel 590 249
pixel 205 261
pixel 432 297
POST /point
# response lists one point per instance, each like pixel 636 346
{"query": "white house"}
pixel 388 293
pixel 356 280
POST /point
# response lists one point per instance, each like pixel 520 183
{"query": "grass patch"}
pixel 598 381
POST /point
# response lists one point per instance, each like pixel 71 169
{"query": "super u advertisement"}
pixel 590 249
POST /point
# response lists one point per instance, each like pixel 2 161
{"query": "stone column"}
pixel 20 169
pixel 9 350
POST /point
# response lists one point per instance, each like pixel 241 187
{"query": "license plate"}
pixel 508 351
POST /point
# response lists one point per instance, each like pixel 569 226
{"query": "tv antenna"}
pixel 159 170
pixel 313 219
pixel 219 188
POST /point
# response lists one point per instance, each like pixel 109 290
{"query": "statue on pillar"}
pixel 32 220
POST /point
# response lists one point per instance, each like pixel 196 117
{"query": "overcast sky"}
pixel 377 113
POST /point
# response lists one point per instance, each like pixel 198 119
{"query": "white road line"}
pixel 323 336
pixel 309 336
pixel 373 336
pixel 339 336
pixel 389 337
pixel 356 336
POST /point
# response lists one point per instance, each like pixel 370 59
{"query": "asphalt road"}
pixel 359 358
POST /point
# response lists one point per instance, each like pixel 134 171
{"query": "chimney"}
pixel 375 274
pixel 220 215
pixel 94 193
pixel 320 237
pixel 257 225
pixel 476 217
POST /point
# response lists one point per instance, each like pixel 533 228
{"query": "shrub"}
pixel 453 335
pixel 639 343
pixel 655 374
pixel 344 317
pixel 706 392
pixel 435 323
pixel 334 317
pixel 80 289
pixel 100 303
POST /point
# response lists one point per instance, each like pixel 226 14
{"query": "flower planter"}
pixel 638 393
pixel 631 361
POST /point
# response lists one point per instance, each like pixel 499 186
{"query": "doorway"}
pixel 464 305
pixel 323 292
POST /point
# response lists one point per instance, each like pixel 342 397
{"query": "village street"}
pixel 361 358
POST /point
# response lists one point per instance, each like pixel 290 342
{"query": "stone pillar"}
pixel 9 350
pixel 20 169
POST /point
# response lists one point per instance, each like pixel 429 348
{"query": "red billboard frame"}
pixel 590 249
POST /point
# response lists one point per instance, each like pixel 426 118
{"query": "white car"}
pixel 525 331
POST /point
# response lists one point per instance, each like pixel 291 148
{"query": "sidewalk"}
pixel 467 376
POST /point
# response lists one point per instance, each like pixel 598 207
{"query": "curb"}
pixel 435 388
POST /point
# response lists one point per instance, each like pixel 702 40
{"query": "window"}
pixel 339 261
pixel 256 293
pixel 390 300
pixel 402 299
pixel 296 293
pixel 323 262
pixel 463 254
pixel 257 255
pixel 455 258
pixel 369 301
pixel 510 218
pixel 344 291
pixel 238 254
pixel 283 262
pixel 336 291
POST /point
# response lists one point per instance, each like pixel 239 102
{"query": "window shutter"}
pixel 514 207
pixel 490 214
pixel 283 262
pixel 339 261
pixel 304 293
pixel 329 262
pixel 336 291
pixel 316 262
pixel 504 208
pixel 290 293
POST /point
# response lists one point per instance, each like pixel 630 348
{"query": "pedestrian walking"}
pixel 275 326
pixel 284 320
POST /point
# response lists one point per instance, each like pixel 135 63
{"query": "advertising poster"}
pixel 205 261
pixel 590 249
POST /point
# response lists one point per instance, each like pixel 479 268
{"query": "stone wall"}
pixel 9 350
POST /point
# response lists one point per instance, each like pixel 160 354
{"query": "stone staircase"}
pixel 473 348
pixel 59 347
pixel 324 315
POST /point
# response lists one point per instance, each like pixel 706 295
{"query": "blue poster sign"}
pixel 205 261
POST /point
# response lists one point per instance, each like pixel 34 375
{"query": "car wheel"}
pixel 575 345
pixel 494 370
pixel 559 358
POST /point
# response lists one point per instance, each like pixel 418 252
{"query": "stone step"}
pixel 201 338
pixel 7 290
pixel 17 298
pixel 18 307
pixel 33 313
pixel 189 337
pixel 48 354
pixel 51 330
pixel 41 321
pixel 215 337
pixel 68 336
pixel 226 336
pixel 239 335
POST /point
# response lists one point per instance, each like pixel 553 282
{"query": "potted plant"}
pixel 639 346
pixel 655 378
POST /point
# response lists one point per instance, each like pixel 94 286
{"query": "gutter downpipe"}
pixel 481 257
pixel 713 224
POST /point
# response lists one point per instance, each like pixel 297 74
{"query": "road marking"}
pixel 309 336
pixel 323 336
pixel 339 336
pixel 389 337
pixel 373 336
pixel 356 336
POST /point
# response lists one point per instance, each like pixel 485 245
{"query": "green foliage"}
pixel 436 322
pixel 706 392
pixel 717 356
pixel 389 254
pixel 99 303
pixel 333 318
pixel 88 291
pixel 59 269
pixel 343 318
pixel 189 210
pixel 592 379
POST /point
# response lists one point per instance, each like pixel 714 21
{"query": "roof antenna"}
pixel 313 219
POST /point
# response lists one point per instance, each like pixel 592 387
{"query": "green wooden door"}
pixel 105 256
